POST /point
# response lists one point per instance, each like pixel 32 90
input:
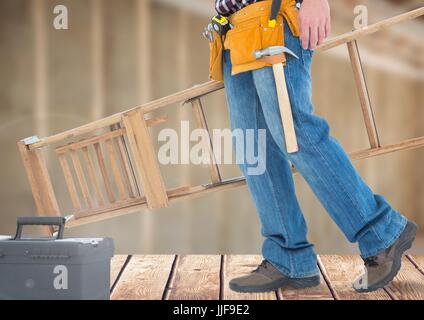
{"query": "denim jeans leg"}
pixel 363 216
pixel 283 225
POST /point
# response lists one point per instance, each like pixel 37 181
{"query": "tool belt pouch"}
pixel 250 33
pixel 253 35
pixel 215 59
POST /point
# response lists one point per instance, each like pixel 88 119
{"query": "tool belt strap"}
pixel 250 33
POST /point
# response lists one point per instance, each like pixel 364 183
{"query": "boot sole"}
pixel 298 283
pixel 397 262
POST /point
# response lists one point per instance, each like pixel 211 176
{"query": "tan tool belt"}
pixel 250 33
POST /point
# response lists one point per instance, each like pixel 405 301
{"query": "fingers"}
pixel 305 38
pixel 304 33
pixel 327 27
pixel 313 37
pixel 313 34
pixel 321 33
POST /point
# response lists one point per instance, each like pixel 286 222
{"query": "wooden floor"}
pixel 207 277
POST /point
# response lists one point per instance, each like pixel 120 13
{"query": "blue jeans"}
pixel 363 216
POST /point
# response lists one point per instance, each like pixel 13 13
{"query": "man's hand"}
pixel 314 22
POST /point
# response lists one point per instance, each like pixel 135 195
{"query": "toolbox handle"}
pixel 40 221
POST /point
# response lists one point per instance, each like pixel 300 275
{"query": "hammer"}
pixel 276 56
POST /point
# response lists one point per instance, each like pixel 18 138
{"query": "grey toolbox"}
pixel 54 268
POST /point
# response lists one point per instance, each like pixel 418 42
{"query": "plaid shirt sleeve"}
pixel 228 7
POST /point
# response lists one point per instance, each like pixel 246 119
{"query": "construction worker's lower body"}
pixel 382 233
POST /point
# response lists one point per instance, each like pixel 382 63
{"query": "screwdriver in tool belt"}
pixel 208 33
pixel 275 9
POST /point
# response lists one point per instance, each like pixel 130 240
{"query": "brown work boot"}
pixel 383 267
pixel 267 278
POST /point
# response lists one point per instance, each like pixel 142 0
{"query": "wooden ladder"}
pixel 110 166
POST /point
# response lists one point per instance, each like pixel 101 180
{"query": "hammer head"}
pixel 273 51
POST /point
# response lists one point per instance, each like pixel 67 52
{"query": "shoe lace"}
pixel 371 261
pixel 263 265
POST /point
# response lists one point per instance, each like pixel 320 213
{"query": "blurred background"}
pixel 120 54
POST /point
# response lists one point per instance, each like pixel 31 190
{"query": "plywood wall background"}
pixel 119 54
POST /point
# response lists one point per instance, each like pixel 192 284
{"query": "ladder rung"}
pixel 104 173
pixel 364 98
pixel 81 178
pixel 115 170
pixel 69 181
pixel 199 115
pixel 92 175
pixel 127 169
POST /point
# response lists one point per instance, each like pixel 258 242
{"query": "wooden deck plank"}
pixel 418 261
pixel 197 277
pixel 201 276
pixel 237 266
pixel 408 284
pixel 116 265
pixel 321 292
pixel 341 271
pixel 144 278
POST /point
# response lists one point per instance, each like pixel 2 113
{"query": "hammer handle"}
pixel 285 108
